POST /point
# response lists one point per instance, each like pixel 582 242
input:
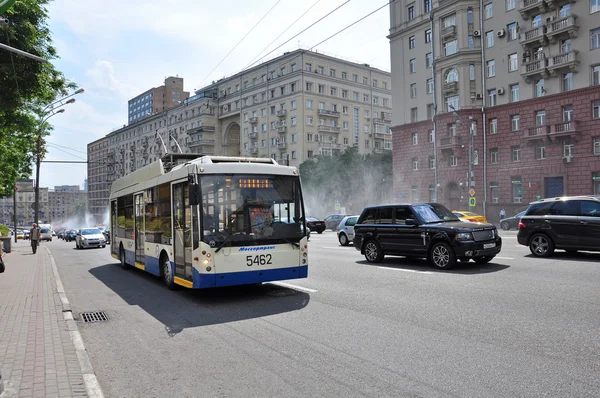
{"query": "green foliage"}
pixel 4 230
pixel 26 87
pixel 353 179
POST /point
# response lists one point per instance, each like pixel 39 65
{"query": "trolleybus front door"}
pixel 140 235
pixel 182 234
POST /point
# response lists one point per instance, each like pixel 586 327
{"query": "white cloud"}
pixel 102 77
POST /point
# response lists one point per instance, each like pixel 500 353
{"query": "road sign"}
pixel 472 201
pixel 337 206
pixel 472 192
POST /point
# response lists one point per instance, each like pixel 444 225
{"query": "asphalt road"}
pixel 519 326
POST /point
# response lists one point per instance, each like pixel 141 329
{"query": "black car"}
pixel 333 220
pixel 106 234
pixel 568 223
pixel 315 225
pixel 511 222
pixel 70 235
pixel 424 230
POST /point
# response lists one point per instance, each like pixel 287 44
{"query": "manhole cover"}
pixel 96 316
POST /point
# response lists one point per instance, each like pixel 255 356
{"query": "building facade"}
pixel 64 204
pixel 157 99
pixel 501 98
pixel 25 205
pixel 100 172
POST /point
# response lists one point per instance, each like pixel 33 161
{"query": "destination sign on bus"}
pixel 254 183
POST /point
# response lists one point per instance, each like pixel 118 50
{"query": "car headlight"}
pixel 464 236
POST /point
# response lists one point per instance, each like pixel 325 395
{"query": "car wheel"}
pixel 343 239
pixel 441 256
pixel 483 259
pixel 124 265
pixel 505 225
pixel 541 245
pixel 373 252
pixel 166 273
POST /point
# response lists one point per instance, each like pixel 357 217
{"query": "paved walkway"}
pixel 37 355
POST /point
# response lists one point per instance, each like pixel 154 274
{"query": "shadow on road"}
pixel 188 308
pixel 560 255
pixel 419 265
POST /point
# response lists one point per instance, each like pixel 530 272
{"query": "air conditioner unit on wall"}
pixel 478 96
pixel 500 91
pixel 476 33
pixel 567 159
pixel 501 33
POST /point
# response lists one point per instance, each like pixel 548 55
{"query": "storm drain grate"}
pixel 96 316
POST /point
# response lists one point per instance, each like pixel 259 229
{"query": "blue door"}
pixel 554 187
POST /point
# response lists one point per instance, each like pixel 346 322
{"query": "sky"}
pixel 117 49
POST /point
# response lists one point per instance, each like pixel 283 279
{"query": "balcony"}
pixel 566 129
pixel 452 142
pixel 332 145
pixel 534 68
pixel 253 120
pixel 451 88
pixel 536 133
pixel 328 129
pixel 382 136
pixel 282 145
pixel 282 129
pixel 564 62
pixel 281 113
pixel 253 135
pixel 253 150
pixel 202 128
pixel 448 33
pixel 377 120
pixel 562 28
pixel 204 141
pixel 527 8
pixel 533 37
pixel 325 112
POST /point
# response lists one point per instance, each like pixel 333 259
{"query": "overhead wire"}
pixel 66 147
pixel 298 34
pixel 281 34
pixel 62 150
pixel 239 42
pixel 352 24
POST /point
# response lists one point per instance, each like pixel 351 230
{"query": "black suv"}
pixel 569 223
pixel 425 230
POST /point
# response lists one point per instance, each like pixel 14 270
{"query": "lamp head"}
pixel 61 110
pixel 79 91
pixel 70 101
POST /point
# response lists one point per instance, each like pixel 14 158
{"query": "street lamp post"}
pixel 50 110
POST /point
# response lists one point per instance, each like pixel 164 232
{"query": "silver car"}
pixel 89 237
pixel 345 231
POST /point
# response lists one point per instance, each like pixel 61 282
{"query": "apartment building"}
pixel 65 202
pixel 25 193
pixel 100 174
pixel 157 99
pixel 501 97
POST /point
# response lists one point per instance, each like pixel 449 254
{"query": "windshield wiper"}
pixel 224 241
pixel 295 244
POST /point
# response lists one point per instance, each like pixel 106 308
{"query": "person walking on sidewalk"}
pixel 34 235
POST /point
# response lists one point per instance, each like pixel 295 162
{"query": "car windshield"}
pixel 311 219
pixel 44 231
pixel 432 213
pixel 90 231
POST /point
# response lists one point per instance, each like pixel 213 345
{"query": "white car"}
pixel 89 237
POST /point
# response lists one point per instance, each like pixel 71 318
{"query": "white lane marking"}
pixel 336 247
pixel 295 287
pixel 407 270
pixel 505 258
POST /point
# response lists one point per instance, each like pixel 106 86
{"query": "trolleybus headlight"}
pixel 206 261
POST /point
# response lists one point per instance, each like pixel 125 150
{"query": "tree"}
pixel 26 87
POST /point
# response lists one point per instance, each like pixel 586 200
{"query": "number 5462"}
pixel 259 259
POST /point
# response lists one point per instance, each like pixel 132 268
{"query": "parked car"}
pixel 511 222
pixel 424 230
pixel 106 234
pixel 332 221
pixel 61 234
pixel 45 234
pixel 70 235
pixel 468 216
pixel 53 233
pixel 345 231
pixel 20 234
pixel 315 225
pixel 89 237
pixel 569 223
pixel 26 234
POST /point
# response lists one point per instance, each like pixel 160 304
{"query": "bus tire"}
pixel 124 264
pixel 166 272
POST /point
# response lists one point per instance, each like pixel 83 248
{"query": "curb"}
pixel 90 380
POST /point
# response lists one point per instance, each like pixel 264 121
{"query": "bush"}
pixel 4 230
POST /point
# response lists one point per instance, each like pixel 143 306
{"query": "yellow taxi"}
pixel 468 216
pixel 20 234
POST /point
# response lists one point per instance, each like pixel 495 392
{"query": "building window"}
pixel 540 152
pixel 452 103
pixel 568 149
pixel 511 31
pixel 412 65
pixel 432 162
pixel 411 42
pixel 450 20
pixel 450 47
pixel 540 118
pixel 428 36
pixel 489 39
pixel 309 104
pixel 413 90
pixel 596 75
pixel 429 111
pixel 471 42
pixel 413 115
pixel 365 80
pixel 567 112
pixel 320 70
pixel 411 13
pixel 491 68
pixel 516 153
pixel 493 126
pixel 596 145
pixel 494 192
pixel 431 136
pixel 453 160
pixel 567 81
pixel 595 38
pixel 540 91
pixel 355 78
pixel 427 6
pixel 415 138
pixel 517 188
pixel 451 75
pixel 513 62
pixel 488 11
pixel 429 86
pixel 428 60
pixel 492 97
pixel 510 5
pixel 515 122
pixel 596 109
pixel 594 6
pixel 331 72
pixel 515 94
pixel 333 91
pixel 494 155
pixel 309 120
pixel 415 163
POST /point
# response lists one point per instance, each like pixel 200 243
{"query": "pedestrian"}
pixel 502 213
pixel 34 235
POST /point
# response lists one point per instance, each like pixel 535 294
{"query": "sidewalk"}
pixel 37 356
